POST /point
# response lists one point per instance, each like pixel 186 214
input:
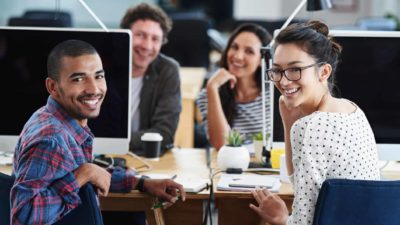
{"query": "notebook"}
pixel 247 182
pixel 190 185
pixel 193 185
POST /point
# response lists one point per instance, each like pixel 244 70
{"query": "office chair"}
pixel 87 213
pixel 42 18
pixel 189 42
pixel 356 202
pixel 6 182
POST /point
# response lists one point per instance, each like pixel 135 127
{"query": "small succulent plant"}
pixel 259 136
pixel 234 138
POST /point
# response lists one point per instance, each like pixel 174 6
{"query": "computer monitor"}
pixel 368 74
pixel 23 59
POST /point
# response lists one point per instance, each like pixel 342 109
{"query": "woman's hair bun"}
pixel 319 27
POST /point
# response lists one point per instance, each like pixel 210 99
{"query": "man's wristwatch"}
pixel 140 184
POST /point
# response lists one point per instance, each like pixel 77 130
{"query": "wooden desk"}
pixel 191 82
pixel 184 163
pixel 233 207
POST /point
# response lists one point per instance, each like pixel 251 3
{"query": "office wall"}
pixel 109 11
pixel 335 17
pixel 386 6
pixel 277 9
pixel 257 9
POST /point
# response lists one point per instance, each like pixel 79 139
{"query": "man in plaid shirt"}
pixel 53 156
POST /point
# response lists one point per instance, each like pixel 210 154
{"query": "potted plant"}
pixel 233 154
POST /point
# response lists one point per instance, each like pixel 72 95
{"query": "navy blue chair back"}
pixel 87 213
pixel 42 18
pixel 6 183
pixel 353 202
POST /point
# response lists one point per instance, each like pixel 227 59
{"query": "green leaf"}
pixel 259 136
pixel 234 138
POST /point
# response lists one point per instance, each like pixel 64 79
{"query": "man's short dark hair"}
pixel 71 48
pixel 145 11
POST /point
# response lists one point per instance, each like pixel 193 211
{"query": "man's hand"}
pixel 271 208
pixel 94 174
pixel 164 189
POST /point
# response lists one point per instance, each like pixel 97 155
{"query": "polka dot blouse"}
pixel 329 145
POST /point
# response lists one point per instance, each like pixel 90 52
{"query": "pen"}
pixel 174 176
pixel 162 204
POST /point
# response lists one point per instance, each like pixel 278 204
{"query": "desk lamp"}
pixel 89 10
pixel 312 5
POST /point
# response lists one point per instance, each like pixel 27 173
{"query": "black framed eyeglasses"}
pixel 291 74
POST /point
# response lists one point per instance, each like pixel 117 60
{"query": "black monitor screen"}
pixel 23 57
pixel 369 75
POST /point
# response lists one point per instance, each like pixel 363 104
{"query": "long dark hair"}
pixel 313 37
pixel 227 95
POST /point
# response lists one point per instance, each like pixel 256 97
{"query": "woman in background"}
pixel 325 137
pixel 232 98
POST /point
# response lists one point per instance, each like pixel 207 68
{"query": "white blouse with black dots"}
pixel 329 145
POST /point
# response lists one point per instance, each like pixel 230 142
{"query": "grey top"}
pixel 160 102
pixel 249 115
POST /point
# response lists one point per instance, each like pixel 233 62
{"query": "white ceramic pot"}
pixel 233 157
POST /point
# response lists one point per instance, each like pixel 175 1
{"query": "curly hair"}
pixel 146 11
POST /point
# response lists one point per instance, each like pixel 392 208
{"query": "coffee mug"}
pixel 151 143
pixel 275 157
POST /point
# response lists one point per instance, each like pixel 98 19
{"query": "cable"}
pixel 262 170
pixel 101 160
pixel 383 167
pixel 208 213
pixel 146 164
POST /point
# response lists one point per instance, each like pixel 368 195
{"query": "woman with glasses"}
pixel 232 98
pixel 325 136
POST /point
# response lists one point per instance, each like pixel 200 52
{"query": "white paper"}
pixel 6 158
pixel 192 185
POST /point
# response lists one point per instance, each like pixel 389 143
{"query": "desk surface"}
pixel 182 162
pixel 232 206
pixel 192 79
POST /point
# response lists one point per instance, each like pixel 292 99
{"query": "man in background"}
pixel 53 156
pixel 155 90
